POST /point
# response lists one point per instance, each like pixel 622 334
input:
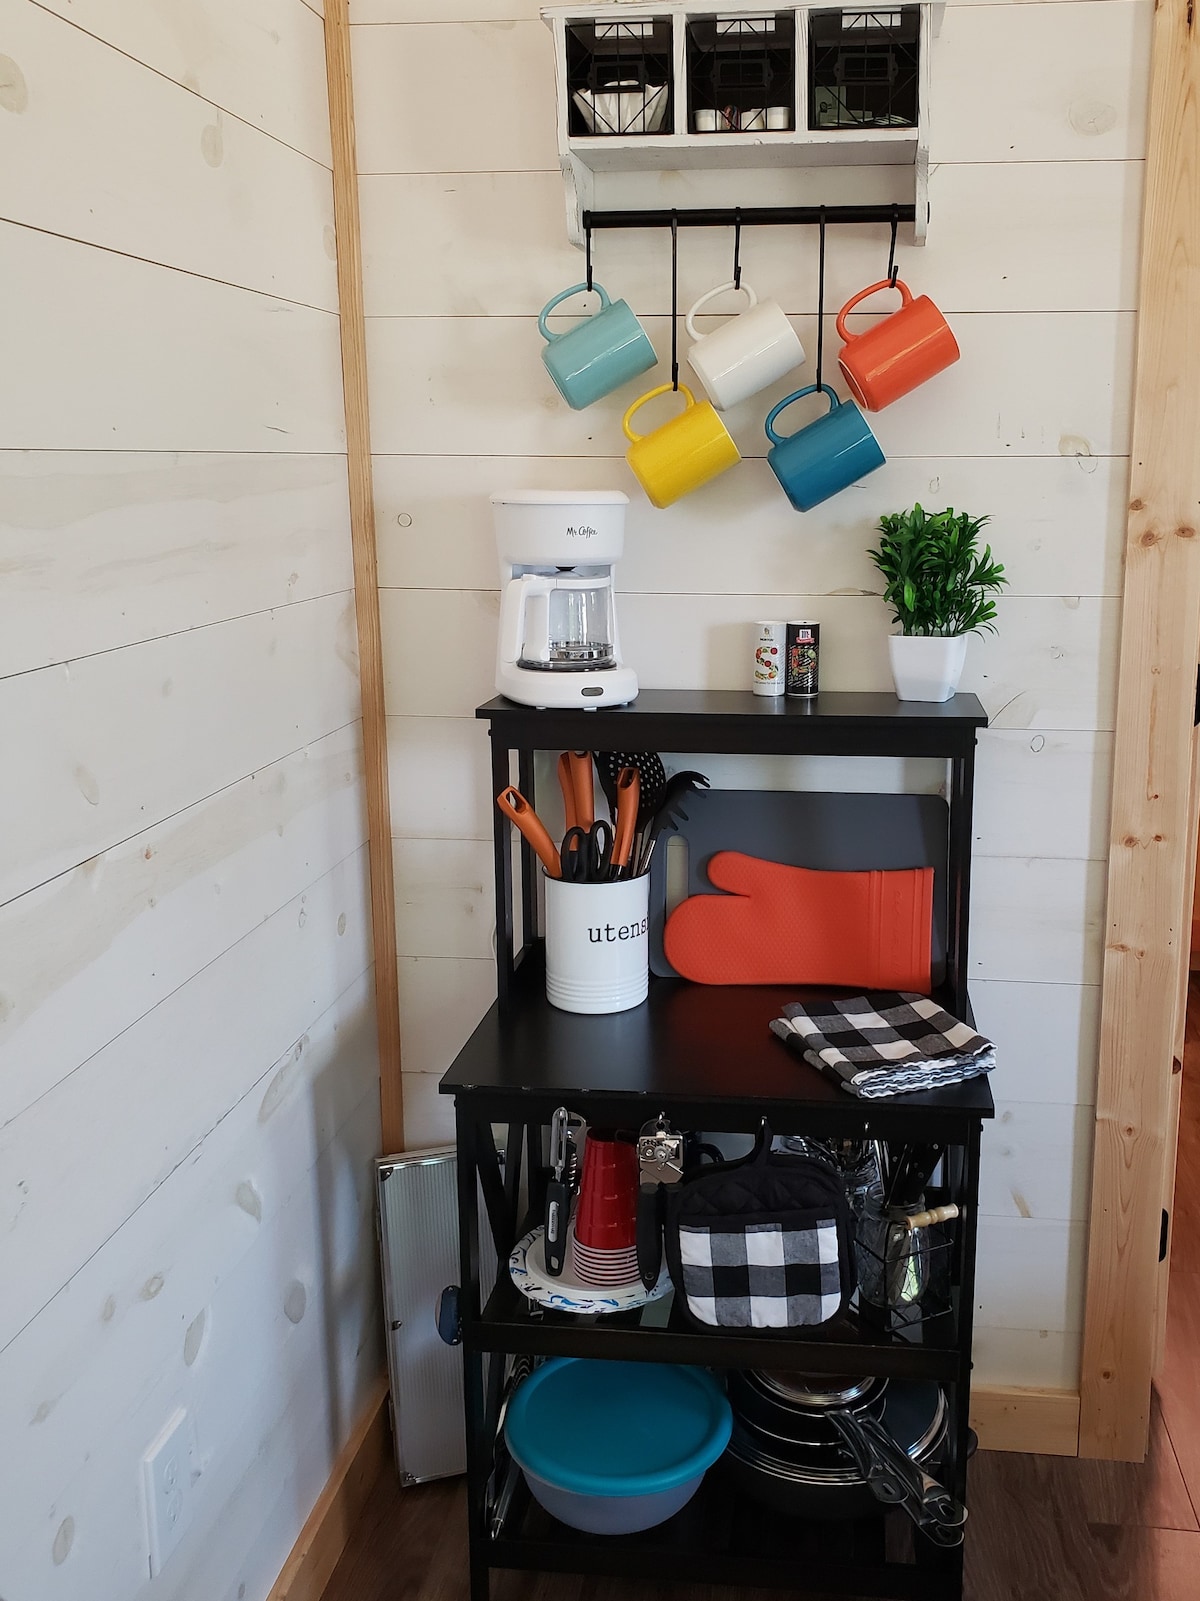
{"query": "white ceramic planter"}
pixel 926 668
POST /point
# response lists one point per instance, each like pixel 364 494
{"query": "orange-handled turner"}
pixel 575 781
pixel 522 815
pixel 629 791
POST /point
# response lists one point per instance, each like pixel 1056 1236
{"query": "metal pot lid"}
pixel 816 1391
pixel 752 1455
pixel 915 1416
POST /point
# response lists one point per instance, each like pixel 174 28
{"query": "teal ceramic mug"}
pixel 597 355
pixel 825 456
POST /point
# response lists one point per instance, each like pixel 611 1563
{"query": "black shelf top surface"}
pixel 836 722
pixel 687 1046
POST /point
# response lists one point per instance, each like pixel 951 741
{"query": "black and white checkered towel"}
pixel 885 1044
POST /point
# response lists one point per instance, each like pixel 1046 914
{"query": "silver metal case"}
pixel 418 1244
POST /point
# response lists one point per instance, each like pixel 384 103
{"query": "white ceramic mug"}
pixel 597 945
pixel 746 354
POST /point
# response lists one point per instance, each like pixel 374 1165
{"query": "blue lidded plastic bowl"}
pixel 613 1447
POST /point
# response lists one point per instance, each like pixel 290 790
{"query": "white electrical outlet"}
pixel 170 1468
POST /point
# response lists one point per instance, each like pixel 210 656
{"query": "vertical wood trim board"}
pixel 1145 936
pixel 366 579
pixel 322 1540
pixel 1175 1093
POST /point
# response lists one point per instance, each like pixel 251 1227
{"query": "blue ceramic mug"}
pixel 599 354
pixel 825 456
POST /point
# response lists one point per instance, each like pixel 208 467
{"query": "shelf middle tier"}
pixel 702 1054
pixel 658 1333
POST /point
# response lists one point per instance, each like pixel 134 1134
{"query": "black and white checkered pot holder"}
pixel 761 1244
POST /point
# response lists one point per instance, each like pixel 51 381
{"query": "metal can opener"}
pixel 660 1162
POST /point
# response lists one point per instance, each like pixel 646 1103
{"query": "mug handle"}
pixel 575 289
pixel 778 439
pixel 884 283
pixel 712 295
pixel 652 394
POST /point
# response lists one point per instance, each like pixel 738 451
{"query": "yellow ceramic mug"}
pixel 682 454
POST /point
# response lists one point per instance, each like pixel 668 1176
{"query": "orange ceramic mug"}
pixel 902 351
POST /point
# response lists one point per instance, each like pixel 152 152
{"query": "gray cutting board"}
pixel 806 828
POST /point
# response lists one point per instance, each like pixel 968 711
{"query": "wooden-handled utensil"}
pixel 522 815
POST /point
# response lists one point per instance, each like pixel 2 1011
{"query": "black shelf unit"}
pixel 673 1054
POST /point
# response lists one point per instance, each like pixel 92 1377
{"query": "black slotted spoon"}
pixel 651 775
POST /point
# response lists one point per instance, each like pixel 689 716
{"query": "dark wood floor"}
pixel 1042 1528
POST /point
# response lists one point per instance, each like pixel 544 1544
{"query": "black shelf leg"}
pixel 962 795
pixel 525 781
pixel 479 1441
pixel 505 953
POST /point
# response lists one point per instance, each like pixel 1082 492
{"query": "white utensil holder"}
pixel 597 946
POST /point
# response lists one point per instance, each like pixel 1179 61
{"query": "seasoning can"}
pixel 803 659
pixel 770 651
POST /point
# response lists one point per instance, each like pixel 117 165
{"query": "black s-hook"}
pixel 821 304
pixel 737 247
pixel 674 300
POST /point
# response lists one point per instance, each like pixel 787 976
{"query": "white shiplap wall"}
pixel 188 1072
pixel 1037 146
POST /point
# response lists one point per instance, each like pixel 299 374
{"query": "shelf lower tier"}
pixel 657 1333
pixel 721 1537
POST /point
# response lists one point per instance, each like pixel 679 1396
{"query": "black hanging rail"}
pixel 749 217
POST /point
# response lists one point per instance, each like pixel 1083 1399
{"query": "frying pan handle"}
pixel 886 1485
pixel 936 1506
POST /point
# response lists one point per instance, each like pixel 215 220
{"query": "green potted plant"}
pixel 940 585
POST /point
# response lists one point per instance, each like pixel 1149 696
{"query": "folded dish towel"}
pixel 885 1044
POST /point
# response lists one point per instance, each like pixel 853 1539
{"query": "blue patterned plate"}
pixel 527 1265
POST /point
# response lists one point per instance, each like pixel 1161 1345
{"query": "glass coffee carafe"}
pixel 568 623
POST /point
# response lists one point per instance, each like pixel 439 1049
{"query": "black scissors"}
pixel 586 856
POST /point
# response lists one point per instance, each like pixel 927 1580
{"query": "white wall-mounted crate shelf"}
pixel 670 48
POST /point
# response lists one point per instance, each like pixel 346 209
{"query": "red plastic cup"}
pixel 606 1212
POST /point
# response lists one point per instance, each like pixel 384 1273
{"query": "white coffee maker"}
pixel 559 644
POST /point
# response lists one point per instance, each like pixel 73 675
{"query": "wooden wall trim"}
pixel 366 580
pixel 1148 923
pixel 1009 1418
pixel 322 1540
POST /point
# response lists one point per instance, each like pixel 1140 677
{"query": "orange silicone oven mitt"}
pixel 798 925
